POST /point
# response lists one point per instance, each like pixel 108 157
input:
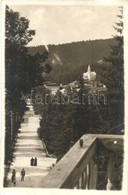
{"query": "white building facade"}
pixel 89 75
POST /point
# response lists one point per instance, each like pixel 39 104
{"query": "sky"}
pixel 57 24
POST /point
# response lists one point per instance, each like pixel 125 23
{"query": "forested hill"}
pixel 71 59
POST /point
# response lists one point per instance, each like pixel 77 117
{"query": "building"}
pixel 89 75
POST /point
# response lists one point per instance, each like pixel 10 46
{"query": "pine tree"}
pixel 115 77
pixel 116 60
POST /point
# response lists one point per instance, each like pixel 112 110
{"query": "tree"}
pixel 17 36
pixel 115 77
pixel 116 60
pixel 36 65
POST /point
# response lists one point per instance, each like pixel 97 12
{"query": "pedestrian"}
pixel 14 181
pixel 22 174
pixel 32 161
pixel 13 178
pixel 35 163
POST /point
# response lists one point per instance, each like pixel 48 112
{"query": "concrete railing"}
pixel 79 167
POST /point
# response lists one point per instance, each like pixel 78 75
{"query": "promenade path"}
pixel 29 145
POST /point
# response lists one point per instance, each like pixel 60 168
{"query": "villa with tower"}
pixel 89 75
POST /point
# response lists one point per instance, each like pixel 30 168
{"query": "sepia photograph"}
pixel 64 109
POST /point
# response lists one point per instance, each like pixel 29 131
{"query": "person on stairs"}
pixel 13 178
pixel 32 161
pixel 35 161
pixel 22 174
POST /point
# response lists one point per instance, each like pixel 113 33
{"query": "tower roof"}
pixel 89 68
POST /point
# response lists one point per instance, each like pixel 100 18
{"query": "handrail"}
pixel 69 169
pixel 77 169
pixel 111 142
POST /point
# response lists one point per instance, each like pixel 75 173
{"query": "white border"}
pixel 35 191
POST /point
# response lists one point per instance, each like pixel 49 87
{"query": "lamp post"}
pixel 16 117
pixel 12 116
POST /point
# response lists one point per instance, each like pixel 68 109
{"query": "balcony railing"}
pixel 80 168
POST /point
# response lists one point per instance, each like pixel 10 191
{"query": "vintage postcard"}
pixel 64 92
